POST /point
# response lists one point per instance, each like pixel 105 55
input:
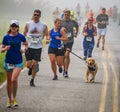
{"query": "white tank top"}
pixel 35 34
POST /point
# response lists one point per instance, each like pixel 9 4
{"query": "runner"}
pixel 56 13
pixel 114 13
pixel 119 19
pixel 11 44
pixel 89 31
pixel 69 25
pixel 55 52
pixel 109 12
pixel 91 14
pixel 102 20
pixel 78 8
pixel 79 20
pixel 35 31
pixel 87 8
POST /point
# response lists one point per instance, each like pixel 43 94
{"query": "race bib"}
pixel 89 39
pixel 69 35
pixel 10 66
pixel 35 40
pixel 103 22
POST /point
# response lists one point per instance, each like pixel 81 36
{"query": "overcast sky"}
pixel 94 4
pixel 8 8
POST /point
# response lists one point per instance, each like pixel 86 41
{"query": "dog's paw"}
pixel 92 81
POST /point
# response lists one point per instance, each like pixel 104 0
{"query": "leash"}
pixel 62 46
pixel 75 55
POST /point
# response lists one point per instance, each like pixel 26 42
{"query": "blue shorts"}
pixel 9 67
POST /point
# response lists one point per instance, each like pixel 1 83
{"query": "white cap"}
pixel 14 22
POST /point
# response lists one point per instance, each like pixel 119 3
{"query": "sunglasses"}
pixel 36 14
pixel 67 14
pixel 90 21
pixel 13 25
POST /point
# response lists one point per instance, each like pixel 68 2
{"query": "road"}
pixel 73 94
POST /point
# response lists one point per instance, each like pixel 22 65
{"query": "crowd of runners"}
pixel 67 26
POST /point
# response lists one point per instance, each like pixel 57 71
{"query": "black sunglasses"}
pixel 36 14
pixel 14 25
pixel 67 14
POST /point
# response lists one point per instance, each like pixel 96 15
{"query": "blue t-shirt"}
pixel 13 55
pixel 54 43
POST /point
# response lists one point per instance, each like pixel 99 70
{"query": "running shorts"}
pixel 33 54
pixel 102 31
pixel 9 67
pixel 56 51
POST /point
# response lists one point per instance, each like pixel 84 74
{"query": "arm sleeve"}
pixel 4 41
pixel 23 39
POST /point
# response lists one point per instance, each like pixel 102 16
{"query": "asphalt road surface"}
pixel 73 94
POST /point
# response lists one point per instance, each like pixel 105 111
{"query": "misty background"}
pixel 22 10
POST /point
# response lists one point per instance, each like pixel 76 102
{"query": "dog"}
pixel 91 68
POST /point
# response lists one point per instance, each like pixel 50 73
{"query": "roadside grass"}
pixel 3 30
pixel 2 72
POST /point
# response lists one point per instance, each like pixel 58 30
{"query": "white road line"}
pixel 104 89
pixel 4 83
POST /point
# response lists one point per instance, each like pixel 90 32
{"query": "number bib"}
pixel 35 40
pixel 10 66
pixel 89 39
pixel 69 34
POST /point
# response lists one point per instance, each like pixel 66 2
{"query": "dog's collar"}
pixel 92 68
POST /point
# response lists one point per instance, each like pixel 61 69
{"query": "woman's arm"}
pixel 64 35
pixel 4 48
pixel 95 32
pixel 48 37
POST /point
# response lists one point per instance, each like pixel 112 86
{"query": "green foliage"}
pixel 2 72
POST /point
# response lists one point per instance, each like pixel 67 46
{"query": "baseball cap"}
pixel 14 22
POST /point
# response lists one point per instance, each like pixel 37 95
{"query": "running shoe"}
pixel 9 104
pixel 84 58
pixel 65 74
pixel 55 77
pixel 15 104
pixel 32 83
pixel 60 69
pixel 30 71
pixel 97 44
pixel 103 48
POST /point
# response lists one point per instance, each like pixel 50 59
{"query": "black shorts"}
pixel 68 45
pixel 33 54
pixel 56 51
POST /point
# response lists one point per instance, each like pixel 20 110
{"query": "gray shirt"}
pixel 69 25
pixel 104 19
